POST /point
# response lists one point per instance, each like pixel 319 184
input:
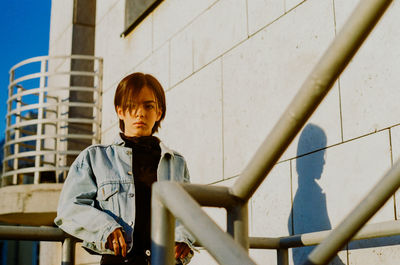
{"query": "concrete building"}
pixel 229 69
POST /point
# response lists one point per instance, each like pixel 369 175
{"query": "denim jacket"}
pixel 98 195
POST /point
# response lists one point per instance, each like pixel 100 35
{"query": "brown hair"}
pixel 130 86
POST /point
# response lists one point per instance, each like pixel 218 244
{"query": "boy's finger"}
pixel 116 247
pixel 123 245
pixel 110 240
pixel 185 251
pixel 178 250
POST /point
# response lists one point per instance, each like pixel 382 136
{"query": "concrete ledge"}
pixel 33 204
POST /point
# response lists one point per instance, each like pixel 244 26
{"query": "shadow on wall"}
pixel 309 212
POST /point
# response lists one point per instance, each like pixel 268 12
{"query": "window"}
pixel 136 11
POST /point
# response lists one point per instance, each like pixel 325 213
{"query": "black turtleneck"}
pixel 146 153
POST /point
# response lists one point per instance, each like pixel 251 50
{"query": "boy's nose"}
pixel 139 111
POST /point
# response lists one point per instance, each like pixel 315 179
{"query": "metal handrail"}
pixel 30 233
pixel 43 134
pixel 181 205
pixel 377 230
pixel 311 94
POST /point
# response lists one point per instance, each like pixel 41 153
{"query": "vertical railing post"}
pixel 58 162
pixel 162 233
pixel 282 256
pixel 237 224
pixel 99 92
pixel 68 251
pixel 7 150
pixel 39 128
pixel 17 132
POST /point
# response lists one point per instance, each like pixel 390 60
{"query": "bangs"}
pixel 127 102
pixel 127 92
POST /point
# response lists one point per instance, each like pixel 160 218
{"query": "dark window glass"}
pixel 136 11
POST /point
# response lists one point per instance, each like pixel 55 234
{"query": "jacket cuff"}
pixel 106 231
pixel 185 260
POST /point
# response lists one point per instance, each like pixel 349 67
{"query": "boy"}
pixel 105 199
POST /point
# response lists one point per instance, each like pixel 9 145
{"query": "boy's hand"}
pixel 116 242
pixel 181 250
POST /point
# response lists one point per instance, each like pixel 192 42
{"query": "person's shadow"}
pixel 309 213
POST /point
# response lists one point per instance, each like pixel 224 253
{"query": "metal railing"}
pixel 186 202
pixel 52 234
pixel 43 95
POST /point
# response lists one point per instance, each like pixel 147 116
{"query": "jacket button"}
pixel 131 223
pixel 131 195
pixel 148 253
pixel 129 172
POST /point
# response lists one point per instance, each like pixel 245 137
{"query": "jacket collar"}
pixel 164 149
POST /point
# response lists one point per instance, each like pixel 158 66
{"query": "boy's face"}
pixel 141 119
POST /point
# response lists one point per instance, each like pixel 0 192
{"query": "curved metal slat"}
pixel 34 169
pixel 52 121
pixel 47 74
pixel 48 58
pixel 47 105
pixel 52 89
pixel 40 153
pixel 55 136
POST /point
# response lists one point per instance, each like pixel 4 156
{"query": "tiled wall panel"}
pixel 157 64
pixel 372 77
pixel 261 13
pixel 395 140
pixel 181 56
pixel 173 15
pixel 271 204
pixel 59 24
pixel 218 30
pixel 193 123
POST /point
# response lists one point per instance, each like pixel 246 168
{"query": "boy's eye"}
pixel 149 106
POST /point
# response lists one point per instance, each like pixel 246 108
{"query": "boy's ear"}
pixel 159 113
pixel 120 113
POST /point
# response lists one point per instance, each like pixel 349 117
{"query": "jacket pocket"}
pixel 107 190
pixel 107 196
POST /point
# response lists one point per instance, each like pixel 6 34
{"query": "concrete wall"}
pixel 230 68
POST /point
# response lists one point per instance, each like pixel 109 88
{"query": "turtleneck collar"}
pixel 164 149
pixel 147 142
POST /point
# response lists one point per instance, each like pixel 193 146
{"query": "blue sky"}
pixel 24 31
